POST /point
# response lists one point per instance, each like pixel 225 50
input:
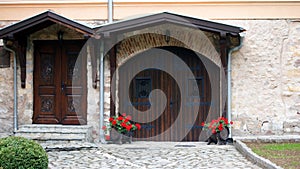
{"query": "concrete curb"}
pixel 270 139
pixel 249 154
pixel 256 159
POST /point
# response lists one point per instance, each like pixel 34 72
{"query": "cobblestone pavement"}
pixel 152 155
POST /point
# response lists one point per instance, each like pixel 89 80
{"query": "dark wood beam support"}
pixel 21 46
pixel 94 51
pixel 224 41
pixel 224 49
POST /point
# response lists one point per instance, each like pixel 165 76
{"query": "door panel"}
pixel 46 77
pixel 143 83
pixel 74 94
pixel 59 83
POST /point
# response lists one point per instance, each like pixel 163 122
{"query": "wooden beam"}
pixel 224 41
pixel 21 45
pixel 94 51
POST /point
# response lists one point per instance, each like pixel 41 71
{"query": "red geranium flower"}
pixel 217 125
pixel 220 127
pixel 123 124
pixel 226 121
pixel 128 128
pixel 107 137
pixel 120 118
pixel 138 126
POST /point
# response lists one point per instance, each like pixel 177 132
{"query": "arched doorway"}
pixel 184 111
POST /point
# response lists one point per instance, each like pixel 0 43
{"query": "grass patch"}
pixel 286 155
pixel 283 146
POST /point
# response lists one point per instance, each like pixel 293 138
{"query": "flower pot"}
pixel 219 140
pixel 126 138
pixel 222 136
pixel 120 138
pixel 115 137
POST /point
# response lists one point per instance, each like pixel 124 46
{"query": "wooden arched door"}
pixel 149 79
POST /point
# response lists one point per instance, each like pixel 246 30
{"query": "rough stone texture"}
pixel 6 99
pixel 266 77
pixel 93 23
pixel 106 91
pixel 93 115
pixel 141 40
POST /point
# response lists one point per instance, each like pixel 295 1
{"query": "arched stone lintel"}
pixel 190 38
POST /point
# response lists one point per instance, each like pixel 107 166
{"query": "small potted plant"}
pixel 219 129
pixel 121 128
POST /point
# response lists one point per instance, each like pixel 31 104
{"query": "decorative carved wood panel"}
pixel 59 82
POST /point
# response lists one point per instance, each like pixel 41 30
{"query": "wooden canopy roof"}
pixel 41 21
pixel 166 17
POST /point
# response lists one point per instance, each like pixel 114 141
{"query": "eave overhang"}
pixel 166 17
pixel 40 21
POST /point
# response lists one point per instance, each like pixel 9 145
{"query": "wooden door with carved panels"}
pixel 60 88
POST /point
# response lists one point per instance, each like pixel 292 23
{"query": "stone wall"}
pixel 6 100
pixel 6 94
pixel 266 78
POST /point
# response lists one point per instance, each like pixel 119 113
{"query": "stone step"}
pixel 63 133
pixel 53 129
pixel 67 146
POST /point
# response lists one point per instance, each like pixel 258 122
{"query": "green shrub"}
pixel 21 153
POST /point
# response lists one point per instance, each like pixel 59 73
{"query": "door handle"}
pixel 63 87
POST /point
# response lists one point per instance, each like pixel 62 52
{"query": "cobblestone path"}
pixel 141 155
